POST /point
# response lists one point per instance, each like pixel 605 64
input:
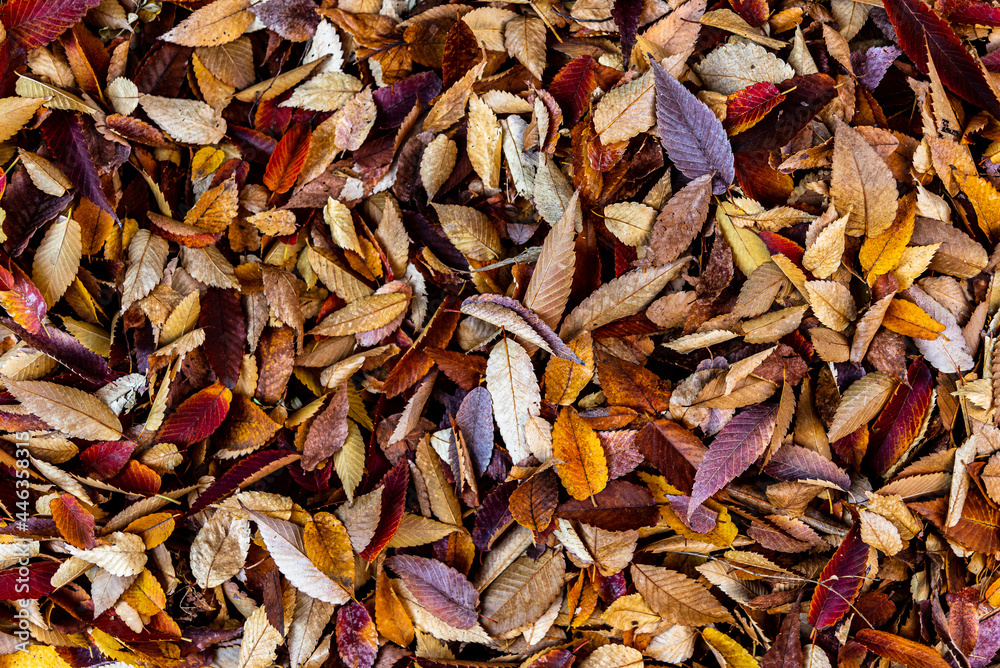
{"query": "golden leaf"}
pixel 584 467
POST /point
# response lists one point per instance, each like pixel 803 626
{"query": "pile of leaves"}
pixel 586 334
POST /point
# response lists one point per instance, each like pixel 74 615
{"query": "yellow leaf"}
pixel 986 201
pixel 731 651
pixel 908 319
pixel 832 303
pixel 364 315
pixel 328 546
pixel 484 138
pixel 565 379
pixel 882 253
pixel 584 471
pixel 749 252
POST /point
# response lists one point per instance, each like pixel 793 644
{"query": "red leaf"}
pixel 572 86
pixel 107 458
pixel 288 158
pixel 244 472
pixel 63 135
pixel 225 333
pixel 753 12
pixel 840 581
pixel 445 592
pixel 747 107
pixel 163 69
pixel 779 244
pixel 897 426
pixel 35 23
pixel 811 93
pixel 924 35
pixel 137 478
pixel 75 524
pixel 15 585
pixel 737 446
pixel 394 484
pixel 974 12
pixel 357 641
pixel 197 417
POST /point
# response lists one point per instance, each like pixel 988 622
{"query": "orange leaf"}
pixel 74 522
pixel 908 319
pixel 288 158
pixel 584 471
pixel 900 650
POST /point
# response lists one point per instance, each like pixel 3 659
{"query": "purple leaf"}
pixel 871 65
pixel 702 519
pixel 691 134
pixel 625 14
pixel 475 421
pixel 987 644
pixel 225 333
pixel 28 209
pixel 63 135
pixel 493 516
pixel 793 462
pixel 395 102
pixel 66 350
pixel 500 318
pixel 732 452
pixel 620 449
pixel 445 592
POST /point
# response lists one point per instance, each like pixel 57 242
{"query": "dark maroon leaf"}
pixel 225 333
pixel 242 473
pixel 395 102
pixel 805 96
pixel 493 516
pixel 28 209
pixel 572 86
pixel 625 14
pixel 620 507
pixel 786 652
pixel 840 581
pixel 65 349
pixel 394 484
